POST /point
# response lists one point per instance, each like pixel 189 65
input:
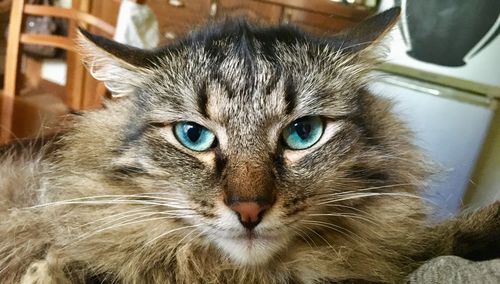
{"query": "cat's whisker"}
pixel 108 202
pixel 126 223
pixel 171 231
pixel 336 228
pixel 120 224
pixel 360 212
pixel 348 207
pixel 193 237
pixel 300 232
pixel 3 269
pixel 128 187
pixel 131 221
pixel 344 194
pixel 179 243
pixel 379 187
pixel 344 197
pixel 345 215
pixel 4 259
pixel 138 214
pixel 113 215
pixel 161 193
pixel 361 189
pixel 120 196
pixel 321 237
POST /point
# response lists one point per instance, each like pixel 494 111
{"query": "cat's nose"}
pixel 249 213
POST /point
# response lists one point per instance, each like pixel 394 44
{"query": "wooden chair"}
pixel 19 110
pixel 5 5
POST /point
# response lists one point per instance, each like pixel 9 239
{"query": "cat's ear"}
pixel 367 33
pixel 122 68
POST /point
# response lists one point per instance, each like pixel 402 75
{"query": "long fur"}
pixel 116 199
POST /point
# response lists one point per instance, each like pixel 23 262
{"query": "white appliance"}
pixel 436 41
pixel 450 127
pixel 448 101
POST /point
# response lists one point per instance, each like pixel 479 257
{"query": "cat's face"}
pixel 252 133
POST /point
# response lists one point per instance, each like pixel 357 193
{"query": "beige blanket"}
pixel 456 270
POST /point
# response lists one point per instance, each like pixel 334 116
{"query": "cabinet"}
pixel 256 10
pixel 4 19
pixel 177 17
pixel 316 22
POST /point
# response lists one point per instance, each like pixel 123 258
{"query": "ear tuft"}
pixel 368 32
pixel 122 68
pixel 132 55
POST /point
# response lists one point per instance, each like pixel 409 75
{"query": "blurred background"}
pixel 442 69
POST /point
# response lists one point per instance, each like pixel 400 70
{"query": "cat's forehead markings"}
pixel 215 101
pixel 290 95
pixel 202 100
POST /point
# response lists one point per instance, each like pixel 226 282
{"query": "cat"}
pixel 240 154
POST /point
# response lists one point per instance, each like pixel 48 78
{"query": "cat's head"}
pixel 259 134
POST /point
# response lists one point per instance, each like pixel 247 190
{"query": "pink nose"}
pixel 249 213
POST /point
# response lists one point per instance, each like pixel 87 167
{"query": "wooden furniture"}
pixel 24 110
pixel 21 113
pixel 176 17
pixel 5 5
pixel 4 19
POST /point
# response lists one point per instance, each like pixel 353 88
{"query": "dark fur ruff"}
pixel 117 199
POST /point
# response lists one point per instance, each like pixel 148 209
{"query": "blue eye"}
pixel 303 133
pixel 194 136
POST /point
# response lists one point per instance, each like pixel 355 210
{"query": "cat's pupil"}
pixel 303 129
pixel 193 132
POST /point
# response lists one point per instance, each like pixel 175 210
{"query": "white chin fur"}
pixel 258 250
pixel 248 252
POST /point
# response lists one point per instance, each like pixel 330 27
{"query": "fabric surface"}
pixel 137 25
pixel 456 270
